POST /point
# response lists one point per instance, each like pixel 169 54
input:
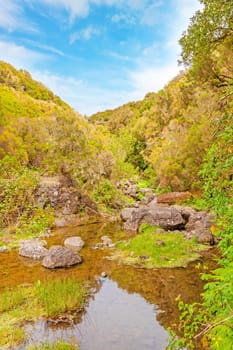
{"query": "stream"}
pixel 129 310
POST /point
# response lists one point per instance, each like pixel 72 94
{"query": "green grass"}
pixel 58 345
pixel 47 299
pixel 60 296
pixel 155 250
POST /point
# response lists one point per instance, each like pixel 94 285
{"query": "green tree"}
pixel 208 30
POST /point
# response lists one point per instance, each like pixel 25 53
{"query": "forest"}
pixel 179 139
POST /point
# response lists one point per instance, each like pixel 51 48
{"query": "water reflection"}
pixel 125 313
pixel 113 320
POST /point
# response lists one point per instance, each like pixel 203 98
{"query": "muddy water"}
pixel 131 309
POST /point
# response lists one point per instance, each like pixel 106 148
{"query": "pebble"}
pixel 104 274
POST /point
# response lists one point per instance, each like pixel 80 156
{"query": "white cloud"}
pixel 81 8
pixel 152 78
pixel 48 48
pixel 152 14
pixel 75 8
pixel 85 34
pixel 117 18
pixel 84 98
pixel 119 56
pixel 12 17
pixel 20 56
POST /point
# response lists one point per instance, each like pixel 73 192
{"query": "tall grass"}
pixel 9 300
pixel 59 296
pixel 23 304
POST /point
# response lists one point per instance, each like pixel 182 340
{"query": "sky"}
pixel 95 54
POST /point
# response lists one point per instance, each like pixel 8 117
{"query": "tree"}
pixel 209 30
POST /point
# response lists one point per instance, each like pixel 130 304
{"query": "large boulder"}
pixel 59 256
pixel 75 243
pixel 164 216
pixel 199 225
pixel 33 249
pixel 173 197
pixel 175 217
pixel 63 194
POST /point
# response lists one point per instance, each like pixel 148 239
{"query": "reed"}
pixel 60 296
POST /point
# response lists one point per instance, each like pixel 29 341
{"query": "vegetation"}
pixel 179 138
pixel 208 37
pixel 152 249
pixel 58 345
pixel 59 296
pixel 40 135
pixel 47 299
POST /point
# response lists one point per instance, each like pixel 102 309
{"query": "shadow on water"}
pixel 131 308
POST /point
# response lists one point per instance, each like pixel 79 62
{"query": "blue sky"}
pixel 95 54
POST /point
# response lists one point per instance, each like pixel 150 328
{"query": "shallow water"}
pixel 113 320
pixel 130 310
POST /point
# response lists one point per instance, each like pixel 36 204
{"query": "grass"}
pixel 47 299
pixel 60 296
pixel 58 345
pixel 150 249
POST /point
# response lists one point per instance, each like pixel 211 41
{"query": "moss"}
pixel 151 249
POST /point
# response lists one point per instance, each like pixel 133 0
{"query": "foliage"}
pixel 105 193
pixel 167 132
pixel 18 208
pixel 41 135
pixel 208 30
pixel 212 320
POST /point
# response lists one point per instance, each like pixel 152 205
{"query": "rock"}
pixel 126 213
pixel 59 256
pixel 173 197
pixel 148 199
pixel 33 249
pixel 104 274
pixel 144 257
pixel 199 225
pixel 62 193
pixel 75 242
pixel 160 231
pixel 164 216
pixel 132 191
pixel 146 191
pixel 3 249
pixel 60 222
pixel 107 242
pixel 186 212
pixel 160 243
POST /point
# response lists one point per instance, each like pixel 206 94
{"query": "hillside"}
pixel 170 129
pixel 42 139
pixel 54 161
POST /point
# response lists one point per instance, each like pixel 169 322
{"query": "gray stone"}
pixel 107 242
pixel 199 225
pixel 33 249
pixel 166 217
pixel 75 242
pixel 59 256
pixel 60 222
pixel 63 194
